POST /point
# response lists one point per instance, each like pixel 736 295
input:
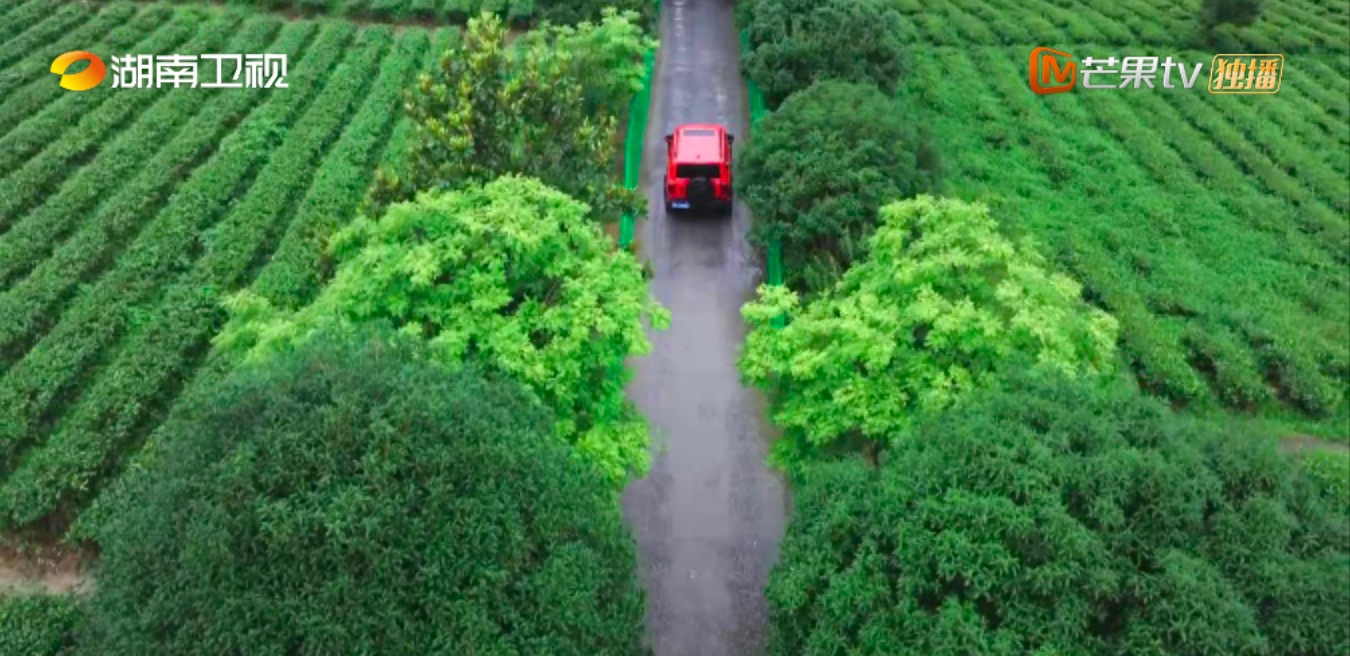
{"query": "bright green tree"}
pixel 354 496
pixel 794 43
pixel 821 166
pixel 940 306
pixel 512 273
pixel 545 105
pixel 1052 518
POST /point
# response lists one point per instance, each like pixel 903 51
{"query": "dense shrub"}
pixel 545 106
pixel 820 167
pixel 354 496
pixel 37 625
pixel 794 43
pixel 942 304
pixel 1056 518
pixel 1240 13
pixel 513 273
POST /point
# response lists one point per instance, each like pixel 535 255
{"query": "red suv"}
pixel 698 167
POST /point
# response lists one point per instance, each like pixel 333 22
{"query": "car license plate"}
pixel 679 205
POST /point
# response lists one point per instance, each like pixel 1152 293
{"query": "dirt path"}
pixel 41 570
pixel 709 516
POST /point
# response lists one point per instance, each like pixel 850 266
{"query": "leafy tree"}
pixel 794 43
pixel 1053 517
pixel 512 273
pixel 354 496
pixel 940 306
pixel 544 106
pixel 821 166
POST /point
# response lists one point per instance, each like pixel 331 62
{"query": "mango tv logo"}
pixel 86 79
pixel 1045 63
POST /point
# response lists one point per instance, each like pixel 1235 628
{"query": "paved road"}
pixel 709 516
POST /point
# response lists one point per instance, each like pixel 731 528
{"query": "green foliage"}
pixel 819 168
pixel 545 106
pixel 513 273
pixel 794 43
pixel 1199 221
pixel 1053 517
pixel 942 304
pixel 1329 468
pixel 354 496
pixel 1240 13
pixel 169 336
pixel 518 13
pixel 37 625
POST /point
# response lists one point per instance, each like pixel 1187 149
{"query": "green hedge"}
pixel 1053 518
pixel 353 496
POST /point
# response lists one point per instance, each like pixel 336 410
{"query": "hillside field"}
pixel 126 215
pixel 1215 228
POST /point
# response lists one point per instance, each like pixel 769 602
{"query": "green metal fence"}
pixel 632 143
pixel 773 260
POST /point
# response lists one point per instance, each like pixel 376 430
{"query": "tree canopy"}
pixel 545 105
pixel 941 305
pixel 353 495
pixel 1051 517
pixel 512 274
pixel 794 43
pixel 821 166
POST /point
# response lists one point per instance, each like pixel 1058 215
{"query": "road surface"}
pixel 709 515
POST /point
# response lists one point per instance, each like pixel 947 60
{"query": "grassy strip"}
pixel 164 249
pixel 298 268
pixel 37 65
pixel 112 173
pixel 33 135
pixel 120 215
pixel 41 94
pixel 62 21
pixel 40 174
pixel 178 331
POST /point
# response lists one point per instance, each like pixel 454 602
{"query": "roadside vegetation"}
pixel 1035 356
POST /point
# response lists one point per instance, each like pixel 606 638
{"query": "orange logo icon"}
pixel 85 79
pixel 1044 62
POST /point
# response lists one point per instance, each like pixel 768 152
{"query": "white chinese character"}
pixel 276 67
pixel 1090 61
pixel 176 70
pixel 1138 69
pixel 220 65
pixel 256 66
pixel 133 71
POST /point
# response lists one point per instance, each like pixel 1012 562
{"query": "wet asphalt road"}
pixel 709 515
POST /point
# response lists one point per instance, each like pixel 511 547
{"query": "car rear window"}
pixel 700 133
pixel 697 171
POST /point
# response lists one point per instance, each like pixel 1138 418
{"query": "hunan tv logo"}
pixel 86 79
pixel 1055 71
pixel 260 71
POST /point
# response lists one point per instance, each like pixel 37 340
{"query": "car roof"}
pixel 698 143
